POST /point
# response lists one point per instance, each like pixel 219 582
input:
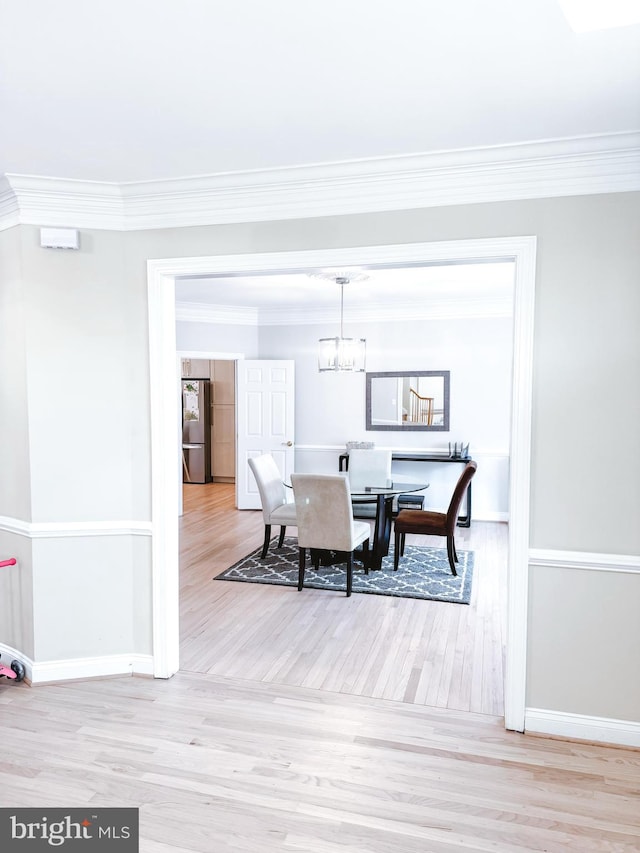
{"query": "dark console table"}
pixel 410 456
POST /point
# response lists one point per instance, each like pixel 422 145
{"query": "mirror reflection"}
pixel 408 400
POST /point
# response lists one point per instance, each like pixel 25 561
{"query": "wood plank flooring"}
pixel 224 765
pixel 219 763
pixel 408 650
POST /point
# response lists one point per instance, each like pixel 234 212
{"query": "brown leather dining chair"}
pixel 427 523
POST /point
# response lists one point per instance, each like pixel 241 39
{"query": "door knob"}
pixel 288 443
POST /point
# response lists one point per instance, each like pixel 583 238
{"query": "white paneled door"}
pixel 265 421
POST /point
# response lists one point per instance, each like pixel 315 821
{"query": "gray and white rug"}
pixel 422 573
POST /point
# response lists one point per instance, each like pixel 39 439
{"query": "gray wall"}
pixel 16 582
pixel 86 419
pixel 214 337
pixel 87 383
pixel 330 408
pixel 15 483
pixel 586 342
pixel 585 642
pixel 586 376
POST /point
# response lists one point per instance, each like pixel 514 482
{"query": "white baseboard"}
pixel 579 727
pixel 75 668
pixel 490 516
pixel 93 667
pixel 8 653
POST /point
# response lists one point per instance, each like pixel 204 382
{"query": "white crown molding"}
pixel 63 530
pixel 229 315
pixel 60 202
pixel 547 168
pixel 210 355
pixel 9 208
pixel 581 727
pixel 584 560
pixel 435 309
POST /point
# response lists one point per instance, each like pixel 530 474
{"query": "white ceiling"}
pixel 458 289
pixel 127 90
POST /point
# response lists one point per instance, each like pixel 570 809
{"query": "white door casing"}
pixel 161 275
pixel 265 398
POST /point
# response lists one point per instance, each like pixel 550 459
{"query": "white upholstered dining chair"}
pixel 368 468
pixel 273 497
pixel 325 521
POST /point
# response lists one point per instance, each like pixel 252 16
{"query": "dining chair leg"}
pixel 455 553
pixel 450 554
pixel 349 572
pixel 281 537
pixel 396 552
pixel 301 561
pixel 365 556
pixel 267 538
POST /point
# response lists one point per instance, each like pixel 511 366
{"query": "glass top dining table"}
pixel 391 489
pixel 383 495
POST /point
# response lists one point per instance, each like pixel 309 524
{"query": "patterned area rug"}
pixel 423 573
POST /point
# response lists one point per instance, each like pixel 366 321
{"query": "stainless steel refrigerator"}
pixel 196 430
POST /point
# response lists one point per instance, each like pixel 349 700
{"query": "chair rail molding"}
pixel 64 529
pixel 581 165
pixel 584 560
pixel 165 420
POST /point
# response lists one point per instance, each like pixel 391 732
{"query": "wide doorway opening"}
pixel 519 250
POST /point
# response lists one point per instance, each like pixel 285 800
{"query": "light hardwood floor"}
pixel 222 763
pixel 421 652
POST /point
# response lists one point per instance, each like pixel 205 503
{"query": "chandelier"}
pixel 340 354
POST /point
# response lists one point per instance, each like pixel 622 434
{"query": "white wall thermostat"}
pixel 59 238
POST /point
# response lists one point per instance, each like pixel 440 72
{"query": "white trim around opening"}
pixel 165 420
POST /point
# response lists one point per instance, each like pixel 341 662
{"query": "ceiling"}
pixel 460 289
pixel 137 90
